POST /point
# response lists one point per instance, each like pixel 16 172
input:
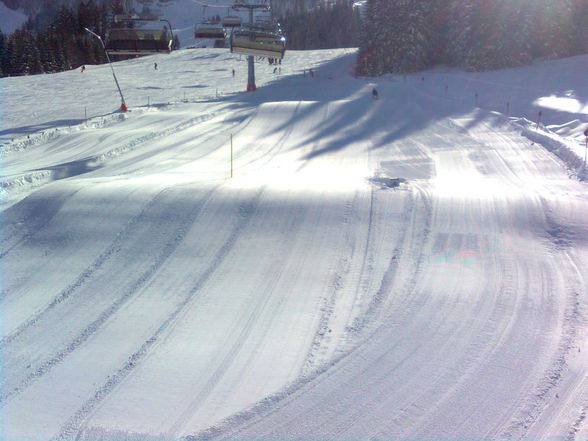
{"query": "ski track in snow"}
pixel 409 268
pixel 92 328
pixel 72 426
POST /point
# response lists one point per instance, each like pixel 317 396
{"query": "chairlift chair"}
pixel 231 21
pixel 258 41
pixel 139 36
pixel 210 29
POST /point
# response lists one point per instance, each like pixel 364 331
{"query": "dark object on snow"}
pixel 374 93
pixel 385 182
pixel 155 66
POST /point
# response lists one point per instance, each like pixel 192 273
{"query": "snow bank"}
pixel 565 149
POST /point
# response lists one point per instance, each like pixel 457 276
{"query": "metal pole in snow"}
pixel 250 65
pixel 123 106
pixel 538 119
pixel 586 149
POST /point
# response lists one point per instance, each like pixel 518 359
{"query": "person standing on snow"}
pixel 374 94
pixel 155 66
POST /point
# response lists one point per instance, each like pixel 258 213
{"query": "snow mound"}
pixel 565 149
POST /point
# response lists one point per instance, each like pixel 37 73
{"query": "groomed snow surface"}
pixel 408 268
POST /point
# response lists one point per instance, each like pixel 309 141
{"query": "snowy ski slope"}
pixel 407 268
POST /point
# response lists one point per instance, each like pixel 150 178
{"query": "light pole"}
pixel 123 106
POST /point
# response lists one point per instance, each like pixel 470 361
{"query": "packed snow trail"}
pixel 477 345
pixel 405 268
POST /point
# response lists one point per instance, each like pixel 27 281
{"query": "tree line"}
pixel 57 45
pixel 54 40
pixel 400 36
pixel 328 26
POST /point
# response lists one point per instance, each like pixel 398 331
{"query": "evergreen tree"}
pixel 485 44
pixel 47 58
pixel 580 27
pixel 325 27
pixel 515 33
pixel 3 55
pixel 367 61
pixel 553 29
pixel 437 18
pixel 408 46
pixel 459 31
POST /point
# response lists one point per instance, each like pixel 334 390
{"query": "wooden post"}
pixel 539 119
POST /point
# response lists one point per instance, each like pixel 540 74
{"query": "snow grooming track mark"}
pixel 253 315
pixel 225 429
pixel 72 428
pixel 571 436
pixel 496 319
pixel 40 222
pixel 91 329
pixel 277 147
pixel 258 309
pixel 230 427
pixel 86 274
pixel 386 283
pixel 342 268
pixel 537 399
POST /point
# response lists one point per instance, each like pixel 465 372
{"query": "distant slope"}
pixel 10 20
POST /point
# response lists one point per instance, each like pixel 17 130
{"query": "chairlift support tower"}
pixel 251 58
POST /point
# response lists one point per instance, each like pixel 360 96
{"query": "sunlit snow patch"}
pixel 565 104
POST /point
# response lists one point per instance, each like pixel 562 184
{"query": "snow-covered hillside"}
pixel 10 20
pixel 411 267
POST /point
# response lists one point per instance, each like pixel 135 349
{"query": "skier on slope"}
pixel 374 94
